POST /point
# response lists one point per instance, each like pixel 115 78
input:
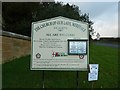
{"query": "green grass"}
pixel 17 73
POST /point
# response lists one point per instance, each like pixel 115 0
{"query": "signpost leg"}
pixel 43 78
pixel 92 85
pixel 77 81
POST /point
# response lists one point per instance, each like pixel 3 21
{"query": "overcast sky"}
pixel 103 14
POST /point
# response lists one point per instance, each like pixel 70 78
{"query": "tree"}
pixel 18 16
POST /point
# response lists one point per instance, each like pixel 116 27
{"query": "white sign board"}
pixel 50 44
pixel 93 75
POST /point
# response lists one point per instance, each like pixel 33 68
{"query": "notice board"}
pixel 59 43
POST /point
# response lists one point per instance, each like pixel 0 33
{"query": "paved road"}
pixel 108 44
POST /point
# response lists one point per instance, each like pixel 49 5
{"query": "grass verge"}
pixel 17 73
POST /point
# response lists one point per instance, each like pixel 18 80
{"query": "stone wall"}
pixel 14 46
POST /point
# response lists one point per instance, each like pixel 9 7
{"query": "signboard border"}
pixel 59 69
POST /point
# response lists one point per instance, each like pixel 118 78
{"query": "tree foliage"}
pixel 18 16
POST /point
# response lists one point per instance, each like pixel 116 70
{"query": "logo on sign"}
pixel 38 55
pixel 81 56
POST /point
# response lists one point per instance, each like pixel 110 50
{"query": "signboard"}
pixel 52 39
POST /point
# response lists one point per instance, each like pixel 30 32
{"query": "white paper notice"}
pixel 92 76
pixel 93 68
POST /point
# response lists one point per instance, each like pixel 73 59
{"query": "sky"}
pixel 104 14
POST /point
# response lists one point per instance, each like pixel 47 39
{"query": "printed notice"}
pixel 93 68
pixel 92 76
pixel 77 47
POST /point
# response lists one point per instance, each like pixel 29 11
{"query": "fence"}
pixel 13 46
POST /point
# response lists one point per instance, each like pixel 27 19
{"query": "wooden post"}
pixel 77 81
pixel 43 79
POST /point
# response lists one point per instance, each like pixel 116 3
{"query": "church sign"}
pixel 59 44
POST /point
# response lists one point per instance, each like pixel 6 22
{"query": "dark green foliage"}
pixel 18 16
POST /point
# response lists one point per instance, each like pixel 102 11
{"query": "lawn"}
pixel 17 73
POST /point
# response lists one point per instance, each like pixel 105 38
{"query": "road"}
pixel 108 44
